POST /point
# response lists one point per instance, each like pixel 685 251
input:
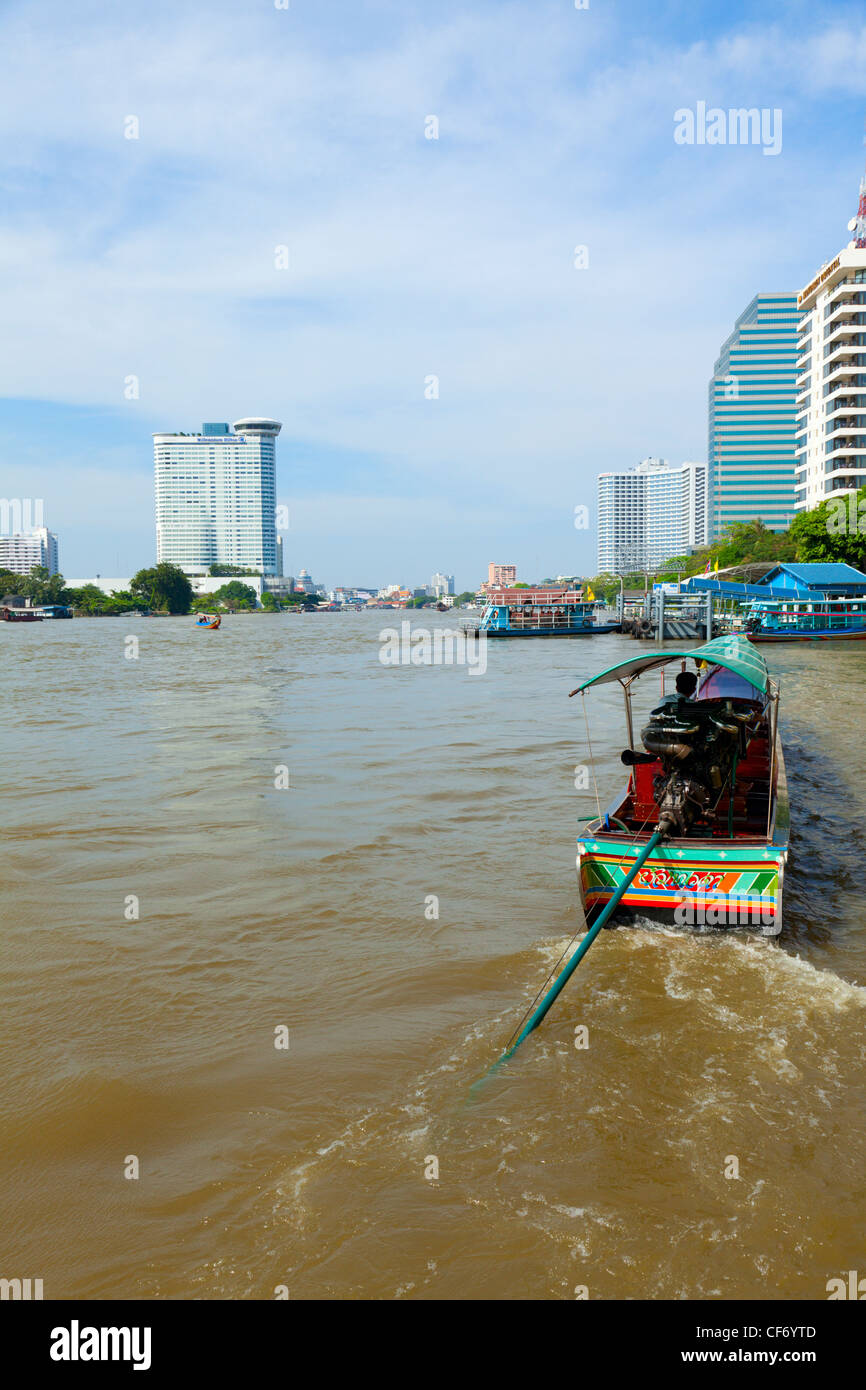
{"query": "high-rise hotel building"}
pixel 21 551
pixel 650 514
pixel 216 497
pixel 752 416
pixel 831 385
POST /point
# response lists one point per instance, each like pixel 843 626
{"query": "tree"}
pixel 833 531
pixel 236 595
pixel 269 603
pixel 164 586
pixel 229 571
pixel 88 599
pixel 40 586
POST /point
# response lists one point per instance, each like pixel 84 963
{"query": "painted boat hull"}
pixel 596 631
pixel 850 635
pixel 693 884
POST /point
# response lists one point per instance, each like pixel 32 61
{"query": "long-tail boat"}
pixel 206 621
pixel 709 780
pixel 699 836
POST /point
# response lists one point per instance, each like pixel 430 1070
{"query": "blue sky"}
pixel 409 257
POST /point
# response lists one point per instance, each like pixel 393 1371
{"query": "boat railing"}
pixel 544 618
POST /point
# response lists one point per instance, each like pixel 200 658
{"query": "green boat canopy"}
pixel 736 654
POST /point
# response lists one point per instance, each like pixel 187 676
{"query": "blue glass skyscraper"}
pixel 752 416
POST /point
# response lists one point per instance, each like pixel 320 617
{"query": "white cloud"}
pixel 155 257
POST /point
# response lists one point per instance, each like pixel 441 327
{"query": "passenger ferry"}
pixel 806 620
pixel 540 613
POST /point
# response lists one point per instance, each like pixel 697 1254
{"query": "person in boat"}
pixel 686 685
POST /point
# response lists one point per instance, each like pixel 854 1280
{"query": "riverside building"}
pixel 21 551
pixel 752 416
pixel 216 497
pixel 651 513
pixel 831 385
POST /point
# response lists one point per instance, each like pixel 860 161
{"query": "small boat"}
pixel 706 795
pixel 807 620
pixel 206 621
pixel 20 615
pixel 539 613
pixel 55 610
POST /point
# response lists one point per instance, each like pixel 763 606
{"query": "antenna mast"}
pixel 857 225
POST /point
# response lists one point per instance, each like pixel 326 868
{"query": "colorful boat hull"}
pixel 697 885
pixel 839 635
pixel 590 630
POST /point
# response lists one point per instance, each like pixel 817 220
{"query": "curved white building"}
pixel 216 496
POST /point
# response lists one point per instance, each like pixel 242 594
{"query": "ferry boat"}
pixel 806 620
pixel 20 615
pixel 540 613
pixel 705 809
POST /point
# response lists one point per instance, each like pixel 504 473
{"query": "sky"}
pixel 409 258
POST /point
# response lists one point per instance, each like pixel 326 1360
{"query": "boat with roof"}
pixel 698 836
pixel 540 612
pixel 816 619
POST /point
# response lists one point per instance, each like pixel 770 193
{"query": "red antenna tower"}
pixel 857 225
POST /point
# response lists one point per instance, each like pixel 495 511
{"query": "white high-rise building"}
pixel 216 496
pixel 441 584
pixel 831 381
pixel 21 551
pixel 650 513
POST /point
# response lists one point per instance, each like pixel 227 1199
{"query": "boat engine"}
pixel 698 743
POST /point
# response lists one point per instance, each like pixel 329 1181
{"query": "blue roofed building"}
pixel 833 580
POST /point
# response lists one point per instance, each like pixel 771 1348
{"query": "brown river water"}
pixel 307 907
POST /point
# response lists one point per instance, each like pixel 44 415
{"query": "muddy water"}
pixel 262 907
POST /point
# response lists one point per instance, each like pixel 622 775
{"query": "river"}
pixel 270 1001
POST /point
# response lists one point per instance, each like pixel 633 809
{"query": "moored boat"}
pixel 20 615
pixel 708 785
pixel 55 610
pixel 550 612
pixel 813 620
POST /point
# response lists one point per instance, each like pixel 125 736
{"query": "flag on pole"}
pixel 589 594
pixel 716 565
pixel 707 567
